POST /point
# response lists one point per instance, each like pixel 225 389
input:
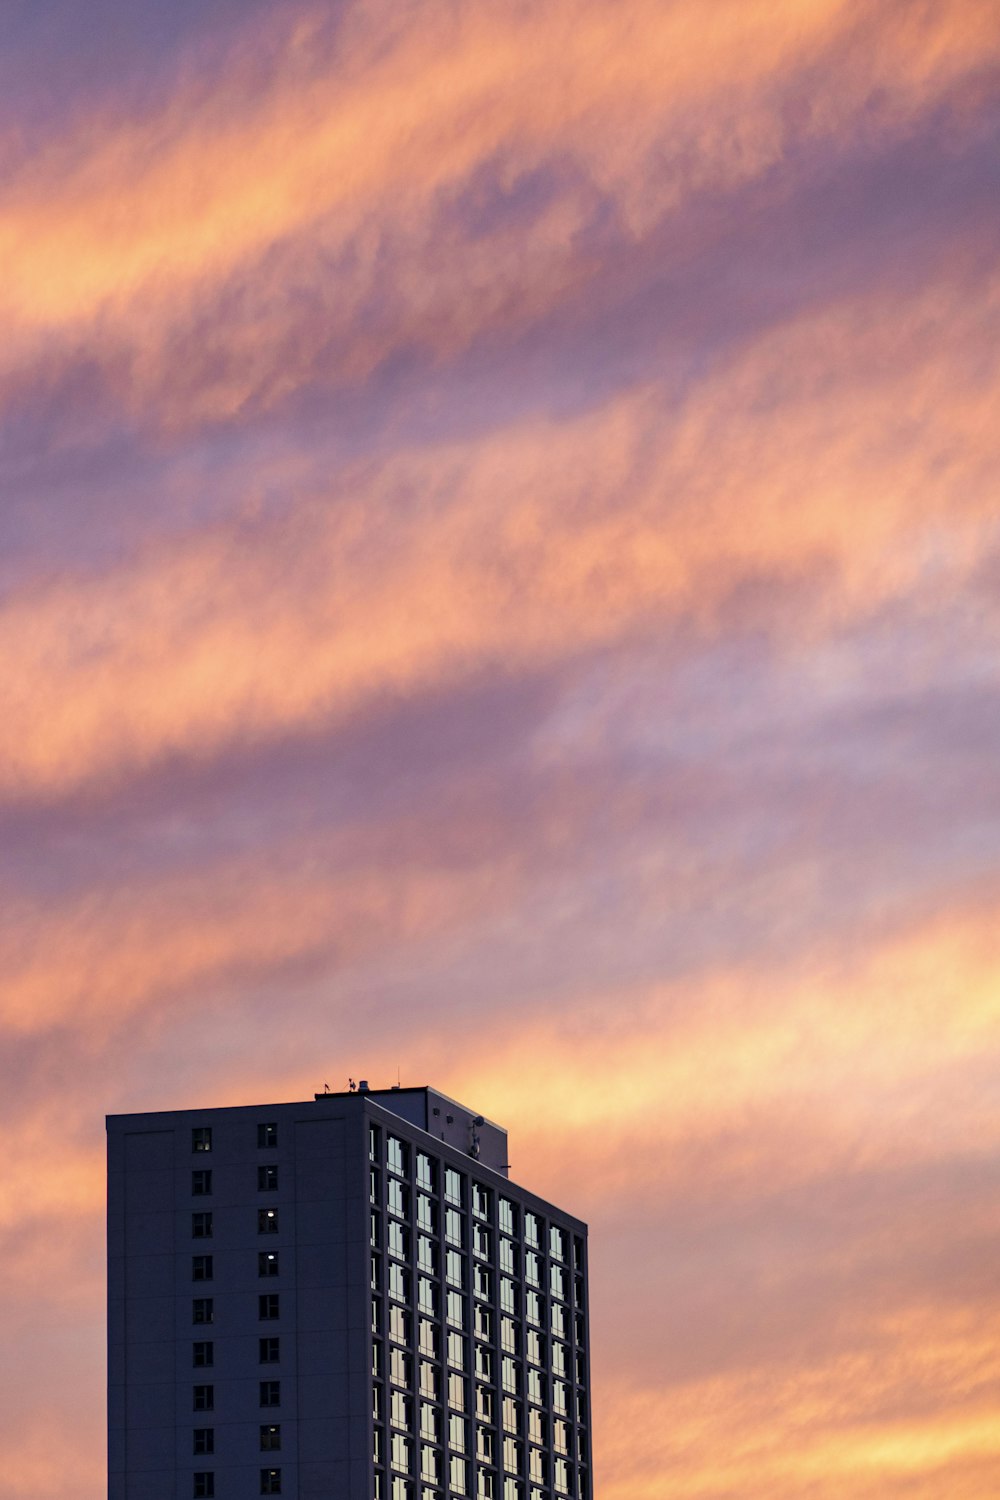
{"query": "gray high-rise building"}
pixel 343 1299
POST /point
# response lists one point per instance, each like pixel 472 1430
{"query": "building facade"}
pixel 343 1299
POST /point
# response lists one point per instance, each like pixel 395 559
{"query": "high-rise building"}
pixel 342 1299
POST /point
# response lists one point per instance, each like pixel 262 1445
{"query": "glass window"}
pixel 267 1136
pixel 559 1397
pixel 201 1138
pixel 203 1353
pixel 270 1393
pixel 399 1325
pixel 484 1403
pixel 398 1240
pixel 486 1485
pixel 511 1415
pixel 401 1410
pixel 201 1226
pixel 399 1283
pixel 201 1183
pixel 511 1488
pixel 533 1308
pixel 562 1476
pixel 456 1350
pixel 270 1438
pixel 400 1372
pixel 204 1486
pixel 397 1197
pixel 508 1257
pixel 534 1347
pixel 483 1322
pixel 557 1281
pixel 457 1432
pixel 456 1392
pixel 557 1319
pixel 267 1262
pixel 508 1295
pixel 426 1213
pixel 560 1437
pixel 376 1315
pixel 270 1481
pixel 203 1310
pixel 203 1440
pixel 452 1186
pixel 508 1216
pixel 267 1179
pixel 267 1221
pixel 428 1338
pixel 430 1465
pixel 425 1172
pixel 480 1201
pixel 397 1156
pixel 374 1192
pixel 509 1375
pixel 427 1296
pixel 455 1269
pixel 457 1475
pixel 532 1269
pixel 558 1357
pixel 203 1398
pixel 373 1143
pixel 426 1254
pixel 557 1243
pixel 536 1387
pixel 268 1305
pixel 537 1427
pixel 482 1284
pixel 269 1351
pixel 402 1489
pixel 531 1230
pixel 453 1230
pixel 430 1422
pixel 537 1466
pixel 508 1335
pixel 402 1452
pixel 484 1363
pixel 430 1381
pixel 481 1241
pixel 376 1273
pixel 511 1455
pixel 202 1268
pixel 456 1309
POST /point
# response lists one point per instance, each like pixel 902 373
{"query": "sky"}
pixel 500 587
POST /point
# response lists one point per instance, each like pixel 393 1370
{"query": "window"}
pixel 270 1481
pixel 402 1452
pixel 203 1354
pixel 267 1263
pixel 203 1440
pixel 399 1325
pixel 426 1254
pixel 560 1437
pixel 373 1142
pixel 202 1268
pixel 457 1475
pixel 454 1268
pixel 270 1438
pixel 201 1138
pixel 402 1489
pixel 531 1235
pixel 536 1387
pixel 426 1213
pixel 508 1295
pixel 398 1241
pixel 484 1404
pixel 397 1197
pixel 430 1381
pixel 511 1489
pixel 557 1281
pixel 557 1319
pixel 373 1185
pixel 486 1487
pixel 484 1322
pixel 559 1403
pixel 397 1156
pixel 481 1283
pixel 453 1227
pixel 269 1351
pixel 557 1243
pixel 201 1183
pixel 481 1241
pixel 399 1367
pixel 456 1309
pixel 509 1375
pixel 558 1358
pixel 401 1410
pixel 537 1427
pixel 203 1398
pixel 427 1296
pixel 430 1465
pixel 376 1315
pixel 457 1431
pixel 532 1271
pixel 484 1363
pixel 533 1308
pixel 456 1392
pixel 456 1351
pixel 376 1276
pixel 270 1393
pixel 537 1466
pixel 511 1455
pixel 268 1306
pixel 508 1335
pixel 480 1201
pixel 399 1282
pixel 425 1172
pixel 201 1226
pixel 534 1348
pixel 508 1257
pixel 267 1221
pixel 508 1216
pixel 267 1136
pixel 203 1310
pixel 452 1186
pixel 428 1339
pixel 267 1179
pixel 430 1423
pixel 204 1485
pixel 511 1415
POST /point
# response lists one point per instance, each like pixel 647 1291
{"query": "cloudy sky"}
pixel 500 580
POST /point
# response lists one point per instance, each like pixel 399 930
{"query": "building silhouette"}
pixel 341 1299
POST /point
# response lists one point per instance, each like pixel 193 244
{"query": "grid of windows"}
pixel 490 1397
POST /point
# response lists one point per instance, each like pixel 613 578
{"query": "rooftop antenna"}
pixel 326 1088
pixel 351 1085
